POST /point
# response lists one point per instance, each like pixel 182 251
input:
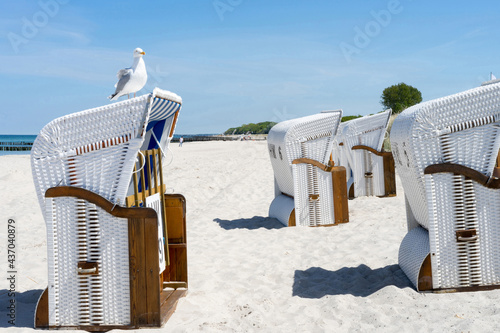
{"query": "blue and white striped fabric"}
pixel 162 109
pixel 161 125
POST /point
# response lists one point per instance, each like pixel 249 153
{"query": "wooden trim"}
pixel 470 173
pixel 351 191
pixel 466 289
pixel 175 212
pixel 42 310
pixel 175 284
pixel 340 200
pixel 162 195
pixel 320 165
pixel 144 192
pixel 144 272
pixel 174 122
pixel 389 175
pixel 291 219
pixel 148 156
pixel 109 207
pixel 371 150
pixel 496 172
pixel 425 275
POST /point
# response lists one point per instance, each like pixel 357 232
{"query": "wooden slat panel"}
pixel 136 187
pixel 175 213
pixel 155 171
pixel 148 154
pixel 177 271
pixel 142 178
pixel 138 303
pixel 165 217
pixel 340 200
pixel 152 272
pixel 389 176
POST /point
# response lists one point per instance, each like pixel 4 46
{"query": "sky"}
pixel 236 62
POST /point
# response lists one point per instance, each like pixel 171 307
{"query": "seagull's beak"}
pixel 143 53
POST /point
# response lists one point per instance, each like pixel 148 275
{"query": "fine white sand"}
pixel 248 273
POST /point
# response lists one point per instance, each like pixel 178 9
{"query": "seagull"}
pixel 133 79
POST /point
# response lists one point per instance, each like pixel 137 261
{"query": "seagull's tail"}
pixel 113 97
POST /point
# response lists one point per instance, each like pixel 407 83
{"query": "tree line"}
pixel 396 97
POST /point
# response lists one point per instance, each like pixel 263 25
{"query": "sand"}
pixel 247 272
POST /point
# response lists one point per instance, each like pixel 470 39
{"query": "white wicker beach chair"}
pixel 308 190
pixel 103 259
pixel 445 152
pixel 359 149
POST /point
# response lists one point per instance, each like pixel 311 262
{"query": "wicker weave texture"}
pixel 307 137
pixel 458 129
pixel 461 129
pixel 281 208
pixel 93 149
pixel 83 232
pixel 367 131
pixel 458 204
pixel 412 252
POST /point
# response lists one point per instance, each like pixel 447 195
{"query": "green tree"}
pixel 259 128
pixel 400 96
pixel 347 118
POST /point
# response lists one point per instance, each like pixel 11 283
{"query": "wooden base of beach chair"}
pixel 425 281
pixel 153 297
pixel 339 195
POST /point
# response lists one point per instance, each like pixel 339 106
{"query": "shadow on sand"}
pixel 252 223
pixel 24 313
pixel 363 281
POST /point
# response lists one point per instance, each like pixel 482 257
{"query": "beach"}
pixel 249 273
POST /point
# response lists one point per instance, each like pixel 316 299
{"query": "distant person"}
pixel 181 140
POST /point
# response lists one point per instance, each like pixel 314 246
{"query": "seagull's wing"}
pixel 123 72
pixel 123 81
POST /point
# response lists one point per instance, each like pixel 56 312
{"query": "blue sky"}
pixel 239 61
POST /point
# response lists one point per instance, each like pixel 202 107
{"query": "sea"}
pixel 21 144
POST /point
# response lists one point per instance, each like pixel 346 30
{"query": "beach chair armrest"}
pixel 457 169
pixel 371 150
pixel 327 168
pixel 109 207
